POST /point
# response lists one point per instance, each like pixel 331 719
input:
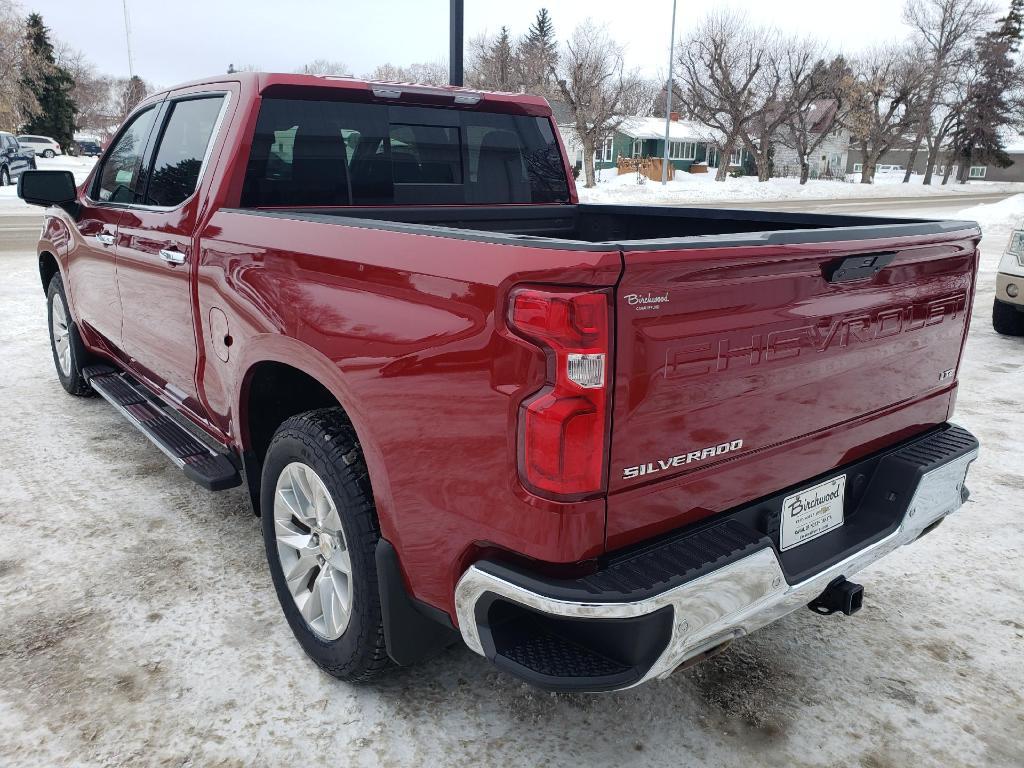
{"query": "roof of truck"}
pixel 264 81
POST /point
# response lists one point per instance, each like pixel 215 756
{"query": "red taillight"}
pixel 562 427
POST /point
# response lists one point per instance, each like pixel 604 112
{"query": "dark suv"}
pixel 85 148
pixel 14 158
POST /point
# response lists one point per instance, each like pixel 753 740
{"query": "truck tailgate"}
pixel 741 370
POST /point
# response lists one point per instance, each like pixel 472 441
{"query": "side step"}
pixel 211 469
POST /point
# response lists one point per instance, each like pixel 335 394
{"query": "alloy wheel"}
pixel 312 549
pixel 61 334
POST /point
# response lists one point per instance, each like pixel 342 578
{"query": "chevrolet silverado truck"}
pixel 592 442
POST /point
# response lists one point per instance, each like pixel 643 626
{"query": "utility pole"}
pixel 455 43
pixel 128 39
pixel 668 96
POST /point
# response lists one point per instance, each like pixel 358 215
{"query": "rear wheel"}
pixel 69 354
pixel 320 531
pixel 48 153
pixel 5 177
pixel 1007 319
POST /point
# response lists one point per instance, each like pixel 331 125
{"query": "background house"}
pixel 690 143
pixel 829 159
pixel 899 156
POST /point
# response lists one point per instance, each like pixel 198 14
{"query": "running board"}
pixel 209 468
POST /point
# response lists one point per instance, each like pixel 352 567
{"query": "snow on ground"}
pixel 702 187
pixel 11 205
pixel 139 626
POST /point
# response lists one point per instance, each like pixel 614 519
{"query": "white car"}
pixel 1008 309
pixel 43 145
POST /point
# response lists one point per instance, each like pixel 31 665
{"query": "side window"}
pixel 182 149
pixel 119 177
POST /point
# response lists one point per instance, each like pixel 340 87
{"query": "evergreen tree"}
pixel 991 106
pixel 537 55
pixel 542 33
pixel 52 86
pixel 501 55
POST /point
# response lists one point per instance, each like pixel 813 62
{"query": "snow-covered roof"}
pixel 679 130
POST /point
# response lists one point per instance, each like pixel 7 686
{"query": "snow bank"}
pixel 11 205
pixel 997 220
pixel 702 187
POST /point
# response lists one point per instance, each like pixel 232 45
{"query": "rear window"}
pixel 307 152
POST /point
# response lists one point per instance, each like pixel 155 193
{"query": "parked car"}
pixel 85 148
pixel 1008 306
pixel 594 442
pixel 14 159
pixel 43 145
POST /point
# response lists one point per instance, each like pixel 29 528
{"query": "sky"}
pixel 185 39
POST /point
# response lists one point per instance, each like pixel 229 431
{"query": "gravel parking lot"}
pixel 140 628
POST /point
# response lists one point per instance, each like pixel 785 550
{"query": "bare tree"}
pixel 325 67
pixel 129 91
pixel 17 64
pixel 592 80
pixel 818 99
pixel 91 92
pixel 720 75
pixel 946 29
pixel 385 71
pixel 426 72
pixel 887 85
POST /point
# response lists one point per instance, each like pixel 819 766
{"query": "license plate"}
pixel 812 512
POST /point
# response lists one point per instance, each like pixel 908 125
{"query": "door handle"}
pixel 172 257
pixel 105 239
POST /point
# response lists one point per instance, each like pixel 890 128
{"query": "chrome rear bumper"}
pixel 726 603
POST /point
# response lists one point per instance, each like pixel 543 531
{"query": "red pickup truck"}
pixel 594 442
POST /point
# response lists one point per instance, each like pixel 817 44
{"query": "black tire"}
pixel 5 177
pixel 1007 319
pixel 72 381
pixel 325 441
pixel 48 153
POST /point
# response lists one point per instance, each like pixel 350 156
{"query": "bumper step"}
pixel 643 573
pixel 211 469
pixel 647 610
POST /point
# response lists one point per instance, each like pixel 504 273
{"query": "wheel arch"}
pixel 288 379
pixel 48 267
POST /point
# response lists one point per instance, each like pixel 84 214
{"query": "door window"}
pixel 118 179
pixel 182 149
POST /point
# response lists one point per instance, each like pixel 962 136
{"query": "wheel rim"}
pixel 312 549
pixel 61 335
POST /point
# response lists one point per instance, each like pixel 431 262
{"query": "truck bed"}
pixel 633 227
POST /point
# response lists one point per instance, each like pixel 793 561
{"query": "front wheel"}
pixel 320 530
pixel 1007 319
pixel 5 177
pixel 69 354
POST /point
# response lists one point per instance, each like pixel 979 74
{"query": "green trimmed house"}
pixel 690 143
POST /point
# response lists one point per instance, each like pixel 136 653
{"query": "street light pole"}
pixel 128 38
pixel 668 97
pixel 455 36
